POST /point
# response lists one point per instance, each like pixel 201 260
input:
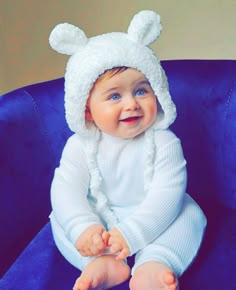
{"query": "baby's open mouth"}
pixel 131 120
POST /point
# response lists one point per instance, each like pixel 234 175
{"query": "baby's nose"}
pixel 131 104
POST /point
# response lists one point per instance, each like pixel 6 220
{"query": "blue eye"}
pixel 140 92
pixel 115 97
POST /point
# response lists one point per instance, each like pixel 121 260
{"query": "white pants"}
pixel 176 247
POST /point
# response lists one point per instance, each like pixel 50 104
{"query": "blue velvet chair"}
pixel 33 132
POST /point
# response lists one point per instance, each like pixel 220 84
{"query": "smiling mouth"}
pixel 131 120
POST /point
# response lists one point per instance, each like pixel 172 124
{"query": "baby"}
pixel 120 188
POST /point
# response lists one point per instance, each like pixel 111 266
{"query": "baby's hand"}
pixel 118 244
pixel 93 241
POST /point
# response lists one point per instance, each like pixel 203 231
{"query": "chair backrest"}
pixel 205 94
pixel 33 132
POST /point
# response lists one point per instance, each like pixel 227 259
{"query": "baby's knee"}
pixel 199 219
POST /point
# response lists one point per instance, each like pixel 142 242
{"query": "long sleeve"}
pixel 69 191
pixel 164 199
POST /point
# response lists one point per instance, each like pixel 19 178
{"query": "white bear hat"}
pixel 90 57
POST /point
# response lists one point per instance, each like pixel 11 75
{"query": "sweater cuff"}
pixel 134 240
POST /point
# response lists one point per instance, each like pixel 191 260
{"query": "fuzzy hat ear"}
pixel 145 27
pixel 67 39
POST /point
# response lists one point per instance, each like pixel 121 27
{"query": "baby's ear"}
pixel 67 39
pixel 88 115
pixel 145 27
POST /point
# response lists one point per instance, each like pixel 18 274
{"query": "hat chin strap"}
pixel 149 151
pixel 101 205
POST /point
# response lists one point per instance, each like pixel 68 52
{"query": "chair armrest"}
pixel 27 162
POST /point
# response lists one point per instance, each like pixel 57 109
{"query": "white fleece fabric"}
pixel 91 57
pixel 142 215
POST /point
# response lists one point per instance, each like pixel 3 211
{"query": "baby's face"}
pixel 123 105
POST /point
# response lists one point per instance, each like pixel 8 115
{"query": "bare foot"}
pixel 102 273
pixel 153 276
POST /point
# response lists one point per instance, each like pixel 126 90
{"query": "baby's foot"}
pixel 153 276
pixel 102 273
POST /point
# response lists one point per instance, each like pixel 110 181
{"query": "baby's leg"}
pixel 153 276
pixel 171 253
pixel 97 273
pixel 102 273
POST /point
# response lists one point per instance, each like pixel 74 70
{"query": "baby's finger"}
pixel 85 252
pixel 115 248
pixel 98 241
pixel 105 237
pixel 123 254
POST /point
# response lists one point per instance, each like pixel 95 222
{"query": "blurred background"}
pixel 203 29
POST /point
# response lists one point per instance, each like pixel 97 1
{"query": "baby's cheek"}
pixel 153 111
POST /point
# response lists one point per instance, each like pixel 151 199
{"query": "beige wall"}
pixel 204 29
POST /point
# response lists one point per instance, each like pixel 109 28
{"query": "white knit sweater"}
pixel 142 215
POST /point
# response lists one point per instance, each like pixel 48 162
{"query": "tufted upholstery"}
pixel 33 132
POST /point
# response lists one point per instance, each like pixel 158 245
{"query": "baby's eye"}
pixel 140 92
pixel 115 97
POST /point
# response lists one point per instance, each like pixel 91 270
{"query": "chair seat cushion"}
pixel 41 266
